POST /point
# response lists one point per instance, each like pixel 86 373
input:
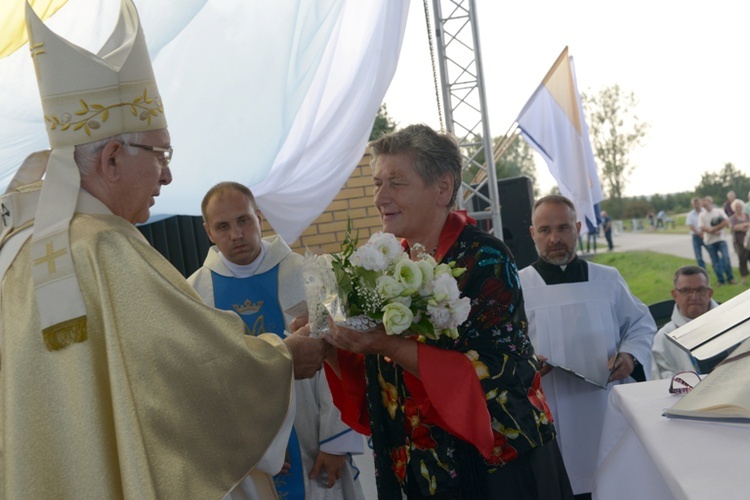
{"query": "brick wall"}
pixel 354 201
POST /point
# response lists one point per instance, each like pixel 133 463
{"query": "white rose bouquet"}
pixel 378 282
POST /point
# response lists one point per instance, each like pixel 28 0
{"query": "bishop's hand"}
pixel 307 353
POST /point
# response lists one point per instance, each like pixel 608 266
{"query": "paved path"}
pixel 680 245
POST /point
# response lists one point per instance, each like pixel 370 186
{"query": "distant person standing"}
pixel 712 222
pixel 695 231
pixel 660 218
pixel 592 235
pixel 607 227
pixel 728 204
pixel 739 224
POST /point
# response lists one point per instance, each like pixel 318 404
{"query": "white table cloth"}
pixel 661 458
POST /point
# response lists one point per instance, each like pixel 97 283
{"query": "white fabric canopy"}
pixel 280 96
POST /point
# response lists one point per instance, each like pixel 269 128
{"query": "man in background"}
pixel 261 280
pixel 607 227
pixel 728 210
pixel 692 294
pixel 712 222
pixel 581 316
pixel 696 234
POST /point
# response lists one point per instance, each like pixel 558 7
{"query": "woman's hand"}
pixel 544 368
pixel 399 349
pixel 374 341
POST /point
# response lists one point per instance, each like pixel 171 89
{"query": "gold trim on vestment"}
pixel 63 334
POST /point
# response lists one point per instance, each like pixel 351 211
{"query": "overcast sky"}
pixel 686 62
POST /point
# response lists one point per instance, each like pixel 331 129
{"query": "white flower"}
pixel 389 287
pixel 440 316
pixel 379 282
pixel 428 273
pixel 429 259
pixel 370 258
pixel 396 318
pixel 449 315
pixel 443 269
pixel 409 274
pixel 402 299
pixel 461 309
pixel 445 288
pixel 387 244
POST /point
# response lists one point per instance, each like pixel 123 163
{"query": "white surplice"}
pixel 578 325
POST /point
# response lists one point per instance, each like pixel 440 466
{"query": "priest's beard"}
pixel 558 255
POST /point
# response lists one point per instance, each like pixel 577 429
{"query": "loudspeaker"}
pixel 181 239
pixel 516 196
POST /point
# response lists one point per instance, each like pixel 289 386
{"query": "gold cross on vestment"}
pixel 36 50
pixel 49 257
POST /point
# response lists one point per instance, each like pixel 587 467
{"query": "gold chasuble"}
pixel 164 397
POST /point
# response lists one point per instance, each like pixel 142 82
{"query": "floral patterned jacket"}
pixel 478 403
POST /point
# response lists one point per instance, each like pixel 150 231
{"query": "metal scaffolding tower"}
pixel 465 106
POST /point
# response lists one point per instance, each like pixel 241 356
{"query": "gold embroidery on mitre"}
pixel 36 50
pixel 63 334
pixel 143 107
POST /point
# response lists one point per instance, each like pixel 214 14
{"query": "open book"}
pixel 719 329
pixel 723 395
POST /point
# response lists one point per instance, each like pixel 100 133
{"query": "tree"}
pixel 615 131
pixel 384 124
pixel 516 161
pixel 717 184
pixel 637 209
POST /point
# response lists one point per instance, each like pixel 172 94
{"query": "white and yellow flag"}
pixel 552 122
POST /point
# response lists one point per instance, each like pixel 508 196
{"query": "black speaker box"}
pixel 181 239
pixel 516 196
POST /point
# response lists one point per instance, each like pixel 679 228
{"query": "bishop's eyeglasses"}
pixel 164 154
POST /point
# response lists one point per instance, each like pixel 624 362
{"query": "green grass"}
pixel 649 275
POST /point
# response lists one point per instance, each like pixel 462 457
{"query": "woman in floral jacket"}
pixel 449 418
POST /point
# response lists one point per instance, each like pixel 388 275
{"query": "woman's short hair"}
pixel 434 153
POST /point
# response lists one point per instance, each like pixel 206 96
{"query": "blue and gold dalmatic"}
pixel 255 299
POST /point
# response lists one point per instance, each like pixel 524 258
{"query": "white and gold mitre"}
pixel 87 97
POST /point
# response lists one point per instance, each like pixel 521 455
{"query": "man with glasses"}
pixel 692 294
pixel 117 380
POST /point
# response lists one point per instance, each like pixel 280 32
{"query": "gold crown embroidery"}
pixel 248 307
pixel 142 106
